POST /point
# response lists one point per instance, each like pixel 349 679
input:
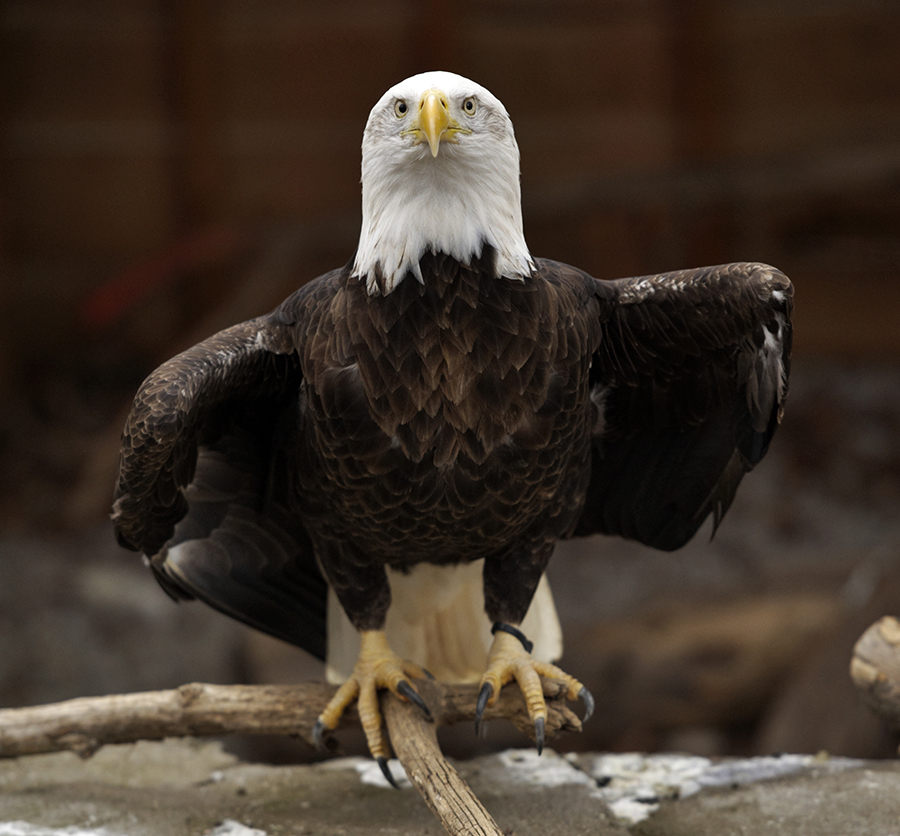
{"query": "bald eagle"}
pixel 446 406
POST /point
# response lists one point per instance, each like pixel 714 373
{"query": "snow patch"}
pixel 230 827
pixel 22 828
pixel 546 770
pixel 634 785
pixel 370 773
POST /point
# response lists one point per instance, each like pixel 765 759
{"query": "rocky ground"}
pixel 187 788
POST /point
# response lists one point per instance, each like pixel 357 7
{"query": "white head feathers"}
pixel 440 173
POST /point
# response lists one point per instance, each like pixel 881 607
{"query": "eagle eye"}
pixel 469 106
pixel 401 108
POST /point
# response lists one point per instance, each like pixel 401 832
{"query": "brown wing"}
pixel 689 380
pixel 203 486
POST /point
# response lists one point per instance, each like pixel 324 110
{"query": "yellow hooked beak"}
pixel 433 122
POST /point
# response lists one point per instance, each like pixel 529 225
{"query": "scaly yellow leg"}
pixel 507 660
pixel 377 666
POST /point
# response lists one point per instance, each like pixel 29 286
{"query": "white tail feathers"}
pixel 437 619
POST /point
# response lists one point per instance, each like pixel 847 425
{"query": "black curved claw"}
pixel 483 696
pixel 386 771
pixel 588 699
pixel 428 673
pixel 406 690
pixel 539 734
pixel 318 735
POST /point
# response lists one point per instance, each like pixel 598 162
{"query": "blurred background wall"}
pixel 170 168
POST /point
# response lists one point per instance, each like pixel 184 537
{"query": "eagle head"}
pixel 440 174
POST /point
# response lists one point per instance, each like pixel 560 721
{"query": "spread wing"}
pixel 689 381
pixel 203 483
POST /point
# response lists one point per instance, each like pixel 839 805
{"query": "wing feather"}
pixel 185 401
pixel 689 382
pixel 204 482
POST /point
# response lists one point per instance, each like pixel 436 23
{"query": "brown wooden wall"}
pixel 180 146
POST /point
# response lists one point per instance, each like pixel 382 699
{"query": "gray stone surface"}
pixel 189 788
pixel 864 800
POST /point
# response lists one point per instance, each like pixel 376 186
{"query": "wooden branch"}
pixel 84 725
pixel 414 739
pixel 875 668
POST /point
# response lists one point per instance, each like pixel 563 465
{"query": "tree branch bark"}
pixel 85 724
pixel 414 739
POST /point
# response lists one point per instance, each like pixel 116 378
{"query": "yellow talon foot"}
pixel 508 660
pixel 377 666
